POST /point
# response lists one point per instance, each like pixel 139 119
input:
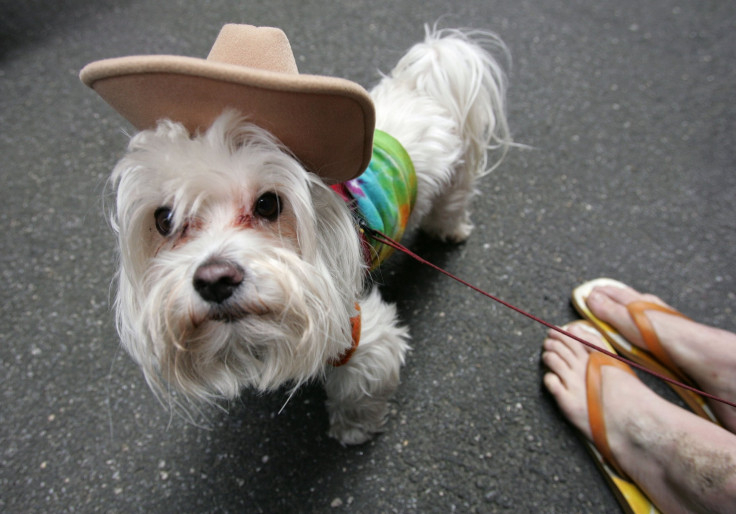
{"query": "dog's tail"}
pixel 460 70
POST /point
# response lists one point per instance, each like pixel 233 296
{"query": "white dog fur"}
pixel 299 263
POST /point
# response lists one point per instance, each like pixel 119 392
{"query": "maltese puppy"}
pixel 240 266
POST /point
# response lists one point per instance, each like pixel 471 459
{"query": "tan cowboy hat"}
pixel 326 122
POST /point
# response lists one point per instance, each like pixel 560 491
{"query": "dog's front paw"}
pixel 357 423
pixel 348 435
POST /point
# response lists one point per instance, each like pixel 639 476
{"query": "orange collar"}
pixel 355 329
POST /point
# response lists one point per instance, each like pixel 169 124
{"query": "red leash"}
pixel 384 239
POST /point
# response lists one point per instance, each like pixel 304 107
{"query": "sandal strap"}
pixel 597 422
pixel 637 311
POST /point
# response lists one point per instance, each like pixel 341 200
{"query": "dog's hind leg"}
pixel 445 101
pixel 465 78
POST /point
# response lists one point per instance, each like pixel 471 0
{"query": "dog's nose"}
pixel 216 280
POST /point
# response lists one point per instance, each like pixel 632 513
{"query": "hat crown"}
pixel 263 48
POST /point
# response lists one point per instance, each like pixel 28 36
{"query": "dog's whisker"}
pixel 286 402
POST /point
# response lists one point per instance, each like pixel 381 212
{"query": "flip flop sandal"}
pixel 654 357
pixel 628 494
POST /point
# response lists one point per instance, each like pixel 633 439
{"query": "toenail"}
pixel 581 328
pixel 595 297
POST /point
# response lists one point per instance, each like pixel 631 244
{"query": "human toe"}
pixel 565 381
pixel 582 330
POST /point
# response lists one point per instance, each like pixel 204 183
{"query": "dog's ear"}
pixel 338 245
pixel 135 183
pixel 134 223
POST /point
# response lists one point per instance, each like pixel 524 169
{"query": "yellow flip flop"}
pixel 654 357
pixel 628 494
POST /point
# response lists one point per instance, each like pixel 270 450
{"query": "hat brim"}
pixel 326 122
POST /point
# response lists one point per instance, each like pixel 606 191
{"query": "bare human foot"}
pixel 705 354
pixel 682 462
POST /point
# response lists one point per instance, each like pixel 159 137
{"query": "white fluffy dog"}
pixel 241 268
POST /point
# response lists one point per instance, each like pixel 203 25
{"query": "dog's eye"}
pixel 164 220
pixel 268 206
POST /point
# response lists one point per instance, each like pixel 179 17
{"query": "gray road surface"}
pixel 629 108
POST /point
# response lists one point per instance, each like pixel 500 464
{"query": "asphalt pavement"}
pixel 629 112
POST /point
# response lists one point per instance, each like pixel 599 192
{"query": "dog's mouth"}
pixel 228 314
pixel 219 314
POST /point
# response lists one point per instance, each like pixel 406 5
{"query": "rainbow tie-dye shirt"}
pixel 383 195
